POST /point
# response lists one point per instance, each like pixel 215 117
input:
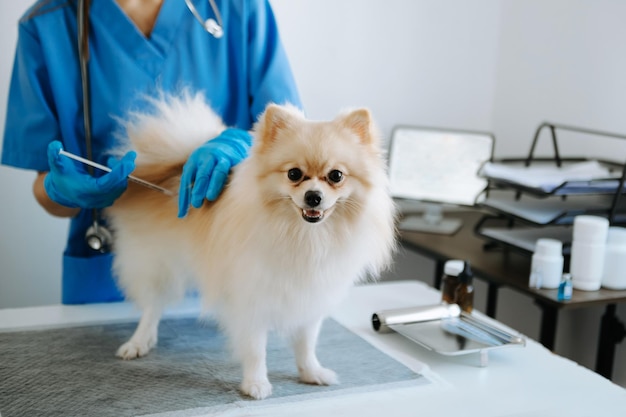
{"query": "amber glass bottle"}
pixel 450 280
pixel 464 294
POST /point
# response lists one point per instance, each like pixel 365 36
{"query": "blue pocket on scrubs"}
pixel 89 280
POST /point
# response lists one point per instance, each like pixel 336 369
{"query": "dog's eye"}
pixel 294 174
pixel 335 176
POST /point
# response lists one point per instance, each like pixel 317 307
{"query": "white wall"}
pixel 492 65
pixel 410 62
pixel 31 242
pixel 561 61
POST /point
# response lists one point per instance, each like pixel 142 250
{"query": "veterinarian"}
pixel 230 50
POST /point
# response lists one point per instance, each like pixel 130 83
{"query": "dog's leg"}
pixel 311 372
pixel 145 336
pixel 250 347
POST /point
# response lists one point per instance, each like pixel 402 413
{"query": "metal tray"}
pixel 446 330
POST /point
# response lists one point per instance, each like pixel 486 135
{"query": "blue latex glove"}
pixel 70 185
pixel 206 170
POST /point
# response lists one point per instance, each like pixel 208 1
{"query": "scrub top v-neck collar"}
pixel 130 38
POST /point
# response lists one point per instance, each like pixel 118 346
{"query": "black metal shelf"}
pixel 567 200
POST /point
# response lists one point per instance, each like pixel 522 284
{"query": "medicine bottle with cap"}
pixel 546 267
pixel 464 294
pixel 450 280
pixel 614 273
pixel 589 237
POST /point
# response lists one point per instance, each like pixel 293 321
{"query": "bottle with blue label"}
pixel 565 288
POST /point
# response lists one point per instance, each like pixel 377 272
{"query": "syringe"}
pixel 107 169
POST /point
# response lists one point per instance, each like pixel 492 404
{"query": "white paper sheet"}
pixel 548 178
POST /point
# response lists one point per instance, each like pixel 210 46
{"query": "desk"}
pixel 521 382
pixel 510 268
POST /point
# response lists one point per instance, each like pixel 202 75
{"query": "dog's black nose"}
pixel 313 198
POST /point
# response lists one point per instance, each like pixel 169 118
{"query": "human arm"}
pixel 41 107
pixel 66 187
pixel 55 209
pixel 207 169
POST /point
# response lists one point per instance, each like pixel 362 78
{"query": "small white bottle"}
pixel 546 267
pixel 614 274
pixel 588 250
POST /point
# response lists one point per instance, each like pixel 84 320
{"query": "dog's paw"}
pixel 133 350
pixel 257 389
pixel 319 376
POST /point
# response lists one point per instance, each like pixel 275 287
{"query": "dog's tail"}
pixel 165 136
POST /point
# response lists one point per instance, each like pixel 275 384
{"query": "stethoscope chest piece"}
pixel 98 237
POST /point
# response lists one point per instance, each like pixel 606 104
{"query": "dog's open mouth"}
pixel 312 216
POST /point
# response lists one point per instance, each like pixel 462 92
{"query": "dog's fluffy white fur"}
pixel 303 218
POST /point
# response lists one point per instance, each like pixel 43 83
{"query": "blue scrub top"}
pixel 239 74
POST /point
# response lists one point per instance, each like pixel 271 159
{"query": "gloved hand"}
pixel 71 186
pixel 206 170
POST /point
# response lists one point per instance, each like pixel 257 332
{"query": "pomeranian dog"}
pixel 302 219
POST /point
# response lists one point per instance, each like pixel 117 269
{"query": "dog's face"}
pixel 314 190
pixel 313 170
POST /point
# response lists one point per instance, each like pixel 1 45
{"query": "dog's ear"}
pixel 273 119
pixel 360 122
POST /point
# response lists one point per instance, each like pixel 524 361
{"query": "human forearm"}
pixel 44 200
pixel 65 189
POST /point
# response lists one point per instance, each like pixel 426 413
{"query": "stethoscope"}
pixel 210 25
pixel 98 237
